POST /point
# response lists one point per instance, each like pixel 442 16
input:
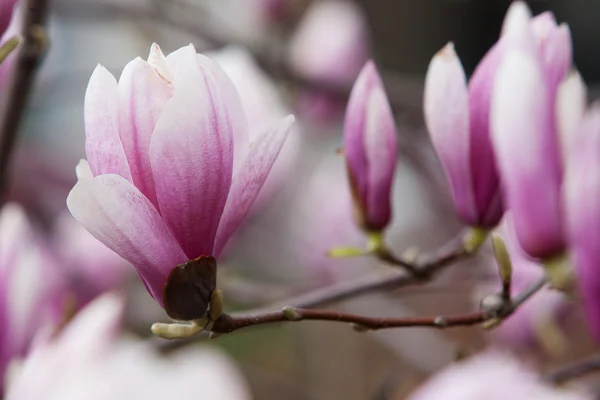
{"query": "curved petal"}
pixel 143 94
pixel 102 145
pixel 582 211
pixel 249 179
pixel 446 106
pixel 525 145
pixel 381 150
pixel 191 153
pixel 117 214
pixel 182 60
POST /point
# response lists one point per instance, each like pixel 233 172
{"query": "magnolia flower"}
pixel 32 291
pixel 581 191
pixel 171 171
pixel 523 122
pixel 87 360
pixel 491 376
pixel 370 148
pixel 458 115
pixel 331 43
pixel 92 268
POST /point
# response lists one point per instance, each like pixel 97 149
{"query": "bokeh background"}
pixel 301 56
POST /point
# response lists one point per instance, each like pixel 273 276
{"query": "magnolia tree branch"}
pixel 575 370
pixel 29 54
pixel 229 323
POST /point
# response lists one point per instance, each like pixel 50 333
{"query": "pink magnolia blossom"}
pixel 171 169
pixel 523 121
pixel 458 115
pixel 582 210
pixel 88 360
pixel 32 290
pixel 331 43
pixel 370 147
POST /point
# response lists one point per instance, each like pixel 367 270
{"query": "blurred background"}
pixel 300 57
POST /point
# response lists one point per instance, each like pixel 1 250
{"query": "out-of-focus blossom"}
pixel 370 147
pixel 582 210
pixel 88 361
pixel 171 170
pixel 32 292
pixel 331 43
pixel 491 376
pixel 91 267
pixel 523 122
pixel 263 106
pixel 523 328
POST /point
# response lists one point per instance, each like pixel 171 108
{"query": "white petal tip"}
pixel 83 171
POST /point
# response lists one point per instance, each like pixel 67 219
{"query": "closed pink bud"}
pixel 582 210
pixel 173 171
pixel 457 120
pixel 370 149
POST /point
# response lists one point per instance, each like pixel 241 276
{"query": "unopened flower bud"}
pixel 370 149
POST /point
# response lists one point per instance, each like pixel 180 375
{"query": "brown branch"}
pixel 229 323
pixel 29 55
pixel 574 370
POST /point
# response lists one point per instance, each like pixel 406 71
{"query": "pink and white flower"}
pixel 171 169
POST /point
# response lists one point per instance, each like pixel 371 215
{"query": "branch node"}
pixel 440 321
pixel 291 314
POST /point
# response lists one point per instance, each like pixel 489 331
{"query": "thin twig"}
pixel 29 55
pixel 229 323
pixel 574 370
pixel 427 266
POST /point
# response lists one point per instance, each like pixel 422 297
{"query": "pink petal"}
pixel 182 60
pixel 117 214
pixel 102 145
pixel 249 179
pixel 581 192
pixel 571 101
pixel 446 106
pixel 143 94
pixel 523 135
pixel 191 154
pixel 381 149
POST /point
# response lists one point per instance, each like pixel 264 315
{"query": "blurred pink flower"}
pixel 524 131
pixel 171 169
pixel 582 210
pixel 491 376
pixel 32 291
pixel 92 268
pixel 87 360
pixel 331 43
pixel 370 147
